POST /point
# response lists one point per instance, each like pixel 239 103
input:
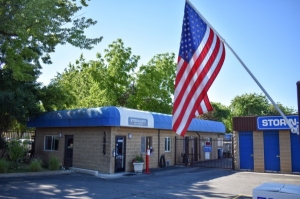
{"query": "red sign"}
pixel 207 144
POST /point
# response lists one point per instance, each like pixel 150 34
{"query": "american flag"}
pixel 201 56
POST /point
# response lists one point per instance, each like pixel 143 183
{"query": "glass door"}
pixel 120 152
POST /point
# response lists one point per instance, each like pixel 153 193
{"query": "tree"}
pixel 75 87
pixel 286 110
pixel 31 29
pixel 220 113
pixel 155 84
pixel 18 99
pixel 120 77
pixel 106 81
pixel 254 105
pixel 249 105
pixel 112 81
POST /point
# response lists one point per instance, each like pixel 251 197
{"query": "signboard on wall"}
pixel 137 121
pixel 207 148
pixel 276 122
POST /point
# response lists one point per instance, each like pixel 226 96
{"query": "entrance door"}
pixel 246 150
pixel 295 148
pixel 271 151
pixel 68 159
pixel 120 152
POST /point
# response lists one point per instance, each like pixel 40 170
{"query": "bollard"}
pixel 147 161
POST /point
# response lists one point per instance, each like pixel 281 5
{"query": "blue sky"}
pixel 264 34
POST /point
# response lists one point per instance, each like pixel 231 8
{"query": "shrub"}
pixel 35 165
pixel 3 166
pixel 54 163
pixel 16 152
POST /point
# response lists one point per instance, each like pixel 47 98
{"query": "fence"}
pixel 204 152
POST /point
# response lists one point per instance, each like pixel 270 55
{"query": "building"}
pixel 266 144
pixel 107 139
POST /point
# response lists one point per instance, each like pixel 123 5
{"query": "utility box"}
pixel 276 191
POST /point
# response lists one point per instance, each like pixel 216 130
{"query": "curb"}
pixel 40 173
pixel 86 171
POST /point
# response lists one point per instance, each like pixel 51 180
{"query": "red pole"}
pixel 147 161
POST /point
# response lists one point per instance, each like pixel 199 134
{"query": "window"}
pixel 167 144
pixel 51 143
pixel 146 143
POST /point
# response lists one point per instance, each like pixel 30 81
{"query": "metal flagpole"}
pixel 293 129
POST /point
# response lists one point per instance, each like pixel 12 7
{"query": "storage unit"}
pixel 270 143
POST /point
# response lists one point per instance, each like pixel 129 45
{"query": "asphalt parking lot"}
pixel 166 183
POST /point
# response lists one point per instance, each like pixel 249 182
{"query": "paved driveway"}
pixel 170 182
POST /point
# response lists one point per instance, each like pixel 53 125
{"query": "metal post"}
pixel 175 150
pixel 186 157
pixel 298 96
pixel 158 149
pixel 147 161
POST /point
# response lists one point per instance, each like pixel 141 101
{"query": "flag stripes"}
pixel 195 72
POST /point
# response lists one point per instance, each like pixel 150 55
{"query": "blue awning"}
pixel 117 116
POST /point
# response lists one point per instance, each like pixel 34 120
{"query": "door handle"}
pixel 277 156
pixel 251 155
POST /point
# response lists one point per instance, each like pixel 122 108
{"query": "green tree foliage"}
pixel 220 113
pixel 249 105
pixel 31 29
pixel 286 110
pixel 106 81
pixel 155 84
pixel 256 104
pixel 112 80
pixel 120 68
pixel 18 100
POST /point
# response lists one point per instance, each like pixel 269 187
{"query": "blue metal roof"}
pixel 117 116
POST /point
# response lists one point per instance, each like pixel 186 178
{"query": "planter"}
pixel 138 167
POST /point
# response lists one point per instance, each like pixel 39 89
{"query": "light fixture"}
pixel 60 135
pixel 129 136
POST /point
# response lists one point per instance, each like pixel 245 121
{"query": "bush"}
pixel 35 165
pixel 54 163
pixel 16 152
pixel 3 166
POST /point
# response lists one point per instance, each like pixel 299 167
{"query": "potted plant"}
pixel 138 164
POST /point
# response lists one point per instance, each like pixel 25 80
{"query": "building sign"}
pixel 276 122
pixel 207 148
pixel 137 121
pixel 227 137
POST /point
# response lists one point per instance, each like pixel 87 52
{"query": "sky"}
pixel 264 34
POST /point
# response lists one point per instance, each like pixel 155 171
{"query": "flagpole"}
pixel 294 130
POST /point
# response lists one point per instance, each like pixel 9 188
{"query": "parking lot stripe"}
pixel 241 196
